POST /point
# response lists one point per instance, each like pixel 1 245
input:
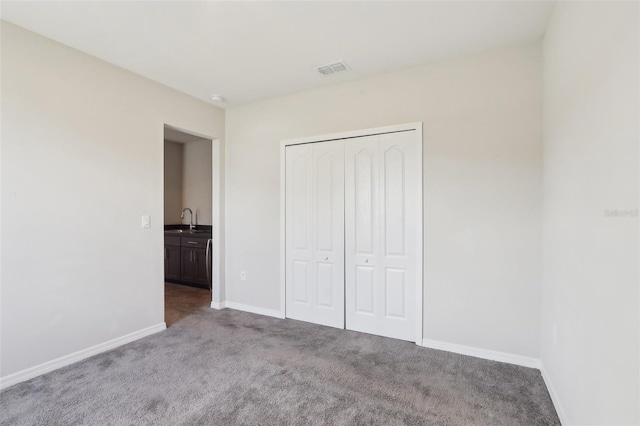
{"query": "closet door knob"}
pixel 326 258
pixel 366 261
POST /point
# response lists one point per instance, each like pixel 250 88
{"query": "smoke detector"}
pixel 333 68
pixel 217 98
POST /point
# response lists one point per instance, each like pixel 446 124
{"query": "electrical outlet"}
pixel 243 275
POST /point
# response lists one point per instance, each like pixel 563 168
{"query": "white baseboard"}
pixel 524 361
pixel 63 361
pixel 554 396
pixel 503 357
pixel 253 309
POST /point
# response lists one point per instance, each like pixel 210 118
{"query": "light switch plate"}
pixel 146 221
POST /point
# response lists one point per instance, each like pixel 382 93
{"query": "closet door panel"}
pixel 328 237
pixel 315 233
pixel 362 239
pixel 299 248
pixel 380 237
pixel 394 201
pixel 364 294
pixel 364 180
pixel 395 293
pixel 399 197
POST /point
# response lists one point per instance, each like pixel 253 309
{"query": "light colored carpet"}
pixel 229 367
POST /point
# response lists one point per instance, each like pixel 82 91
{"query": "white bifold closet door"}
pixel 352 233
pixel 315 233
pixel 382 193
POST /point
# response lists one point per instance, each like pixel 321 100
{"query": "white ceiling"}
pixel 247 51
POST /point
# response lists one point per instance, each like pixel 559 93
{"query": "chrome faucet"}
pixel 190 217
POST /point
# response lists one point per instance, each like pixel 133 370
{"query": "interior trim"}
pixel 562 415
pixel 253 309
pixel 63 361
pixel 509 358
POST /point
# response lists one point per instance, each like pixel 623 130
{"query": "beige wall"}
pixel 188 182
pixel 173 159
pixel 82 149
pixel 590 330
pixel 196 182
pixel 482 188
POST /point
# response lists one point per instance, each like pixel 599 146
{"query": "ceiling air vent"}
pixel 332 68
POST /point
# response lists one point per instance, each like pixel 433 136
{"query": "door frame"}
pixel 417 127
pixel 217 238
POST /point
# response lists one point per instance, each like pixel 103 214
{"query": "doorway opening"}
pixel 191 178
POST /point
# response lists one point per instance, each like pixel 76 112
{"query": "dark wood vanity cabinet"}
pixel 172 262
pixel 186 259
pixel 194 266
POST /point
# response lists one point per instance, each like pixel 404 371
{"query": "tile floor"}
pixel 181 301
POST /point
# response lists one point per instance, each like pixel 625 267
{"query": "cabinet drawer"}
pixel 194 242
pixel 171 240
